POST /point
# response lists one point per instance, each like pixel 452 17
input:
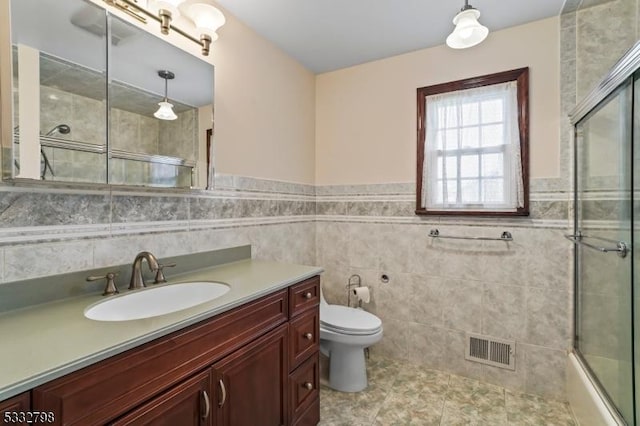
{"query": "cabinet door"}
pixel 250 385
pixel 185 404
pixel 15 411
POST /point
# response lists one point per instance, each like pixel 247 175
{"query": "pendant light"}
pixel 468 31
pixel 165 112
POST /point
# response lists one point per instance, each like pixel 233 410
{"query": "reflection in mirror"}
pixel 68 127
pixel 59 88
pixel 148 147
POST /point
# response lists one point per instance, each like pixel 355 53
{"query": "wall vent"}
pixel 491 351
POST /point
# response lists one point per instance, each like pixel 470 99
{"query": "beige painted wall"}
pixel 366 114
pixel 264 108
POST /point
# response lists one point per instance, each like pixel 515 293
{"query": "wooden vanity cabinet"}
pixel 238 368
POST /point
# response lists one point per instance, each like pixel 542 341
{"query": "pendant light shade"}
pixel 165 112
pixel 468 31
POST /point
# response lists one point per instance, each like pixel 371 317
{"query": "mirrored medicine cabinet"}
pixel 85 93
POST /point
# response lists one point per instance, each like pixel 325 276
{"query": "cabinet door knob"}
pixel 308 295
pixel 308 385
pixel 308 336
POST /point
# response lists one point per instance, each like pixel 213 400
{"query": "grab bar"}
pixel 621 247
pixel 506 236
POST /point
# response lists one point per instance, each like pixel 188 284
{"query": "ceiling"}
pixel 332 34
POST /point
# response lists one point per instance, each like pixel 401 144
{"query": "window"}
pixel 473 146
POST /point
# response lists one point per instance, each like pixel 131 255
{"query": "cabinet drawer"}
pixel 304 388
pixel 107 390
pixel 304 336
pixel 304 295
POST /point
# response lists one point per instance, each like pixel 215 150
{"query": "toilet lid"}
pixel 348 320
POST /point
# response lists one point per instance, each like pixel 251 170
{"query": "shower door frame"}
pixel 623 70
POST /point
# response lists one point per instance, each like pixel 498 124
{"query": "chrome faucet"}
pixel 137 281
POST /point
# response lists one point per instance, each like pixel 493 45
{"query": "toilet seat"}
pixel 344 320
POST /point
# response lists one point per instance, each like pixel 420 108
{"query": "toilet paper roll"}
pixel 362 293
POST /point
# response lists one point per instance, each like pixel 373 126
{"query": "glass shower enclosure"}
pixel 606 226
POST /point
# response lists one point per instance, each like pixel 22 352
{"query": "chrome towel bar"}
pixel 505 236
pixel 621 247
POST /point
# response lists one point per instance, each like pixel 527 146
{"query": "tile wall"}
pixel 440 289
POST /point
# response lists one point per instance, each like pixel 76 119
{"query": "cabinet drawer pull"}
pixel 308 385
pixel 223 392
pixel 308 295
pixel 207 405
pixel 308 336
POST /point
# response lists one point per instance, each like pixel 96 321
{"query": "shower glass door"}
pixel 604 308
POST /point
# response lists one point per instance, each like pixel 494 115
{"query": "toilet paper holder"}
pixel 354 281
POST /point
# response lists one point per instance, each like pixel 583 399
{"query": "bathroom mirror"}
pixel 86 92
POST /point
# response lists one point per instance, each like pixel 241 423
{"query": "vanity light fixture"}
pixel 207 20
pixel 468 31
pixel 205 17
pixel 165 112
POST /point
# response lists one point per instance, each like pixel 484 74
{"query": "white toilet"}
pixel 344 333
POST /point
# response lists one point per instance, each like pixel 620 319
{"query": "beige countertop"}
pixel 44 342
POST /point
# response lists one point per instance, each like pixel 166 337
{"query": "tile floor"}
pixel 405 394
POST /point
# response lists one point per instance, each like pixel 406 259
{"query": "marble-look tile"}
pixel 411 298
pixel 331 208
pixel 31 261
pixel 214 239
pixel 410 409
pixel 332 240
pixel 546 371
pixel 556 210
pixel 413 395
pixel 201 208
pixel 289 243
pixel 125 130
pixel 88 120
pixel 130 208
pixel 364 245
pixel 469 401
pixel 533 410
pixel 462 305
pixel 597 48
pixel 149 129
pixel 259 208
pixel 19 209
pixel 503 309
pixel 292 208
pixel 547 322
pixel 394 340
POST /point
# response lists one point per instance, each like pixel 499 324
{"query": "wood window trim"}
pixel 521 77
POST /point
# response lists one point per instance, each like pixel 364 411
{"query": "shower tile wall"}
pixel 438 290
pixel 589 49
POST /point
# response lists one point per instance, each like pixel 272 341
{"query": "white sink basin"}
pixel 155 301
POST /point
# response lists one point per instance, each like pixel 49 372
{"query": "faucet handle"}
pixel 110 288
pixel 160 278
